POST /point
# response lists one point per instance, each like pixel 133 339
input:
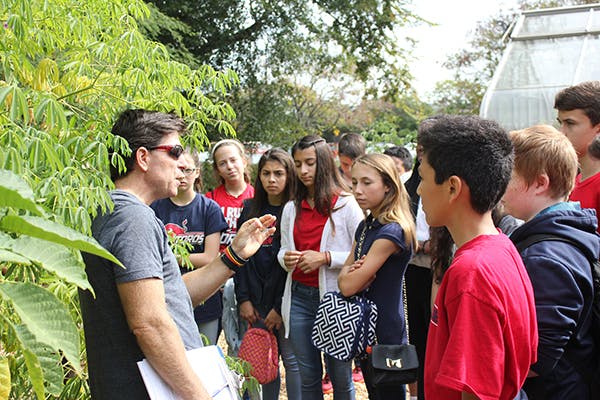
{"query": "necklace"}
pixel 235 193
pixel 363 234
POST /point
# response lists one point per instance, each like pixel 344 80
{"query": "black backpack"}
pixel 592 376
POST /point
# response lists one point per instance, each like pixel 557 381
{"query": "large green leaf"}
pixel 53 257
pixel 4 378
pixel 14 192
pixel 9 256
pixel 45 316
pixel 36 375
pixel 42 363
pixel 54 232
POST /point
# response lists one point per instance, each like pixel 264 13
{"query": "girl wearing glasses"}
pixel 317 231
pixel 198 220
pixel 259 285
pixel 231 169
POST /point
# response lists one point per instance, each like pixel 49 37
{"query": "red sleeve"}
pixel 474 356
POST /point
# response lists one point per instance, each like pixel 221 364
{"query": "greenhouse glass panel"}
pixel 555 24
pixel 548 50
pixel 595 23
pixel 590 65
pixel 540 63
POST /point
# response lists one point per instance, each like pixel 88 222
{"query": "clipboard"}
pixel 210 366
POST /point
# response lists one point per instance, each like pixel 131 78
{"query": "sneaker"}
pixel 357 375
pixel 326 384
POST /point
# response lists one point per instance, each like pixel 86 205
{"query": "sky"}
pixel 455 20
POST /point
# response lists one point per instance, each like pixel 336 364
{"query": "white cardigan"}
pixel 346 217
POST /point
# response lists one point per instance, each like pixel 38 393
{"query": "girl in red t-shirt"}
pixel 317 231
pixel 231 169
pixel 232 172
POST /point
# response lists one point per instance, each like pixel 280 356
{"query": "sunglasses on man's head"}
pixel 174 151
pixel 314 142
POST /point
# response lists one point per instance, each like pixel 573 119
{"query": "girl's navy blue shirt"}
pixel 386 290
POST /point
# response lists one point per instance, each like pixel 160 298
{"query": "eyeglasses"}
pixel 189 171
pixel 174 151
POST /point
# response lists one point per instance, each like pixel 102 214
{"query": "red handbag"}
pixel 259 349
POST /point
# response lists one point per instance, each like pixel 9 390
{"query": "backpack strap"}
pixel 587 374
pixel 540 237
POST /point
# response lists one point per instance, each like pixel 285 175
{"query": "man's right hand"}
pixel 251 235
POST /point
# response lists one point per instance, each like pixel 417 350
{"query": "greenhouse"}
pixel 548 50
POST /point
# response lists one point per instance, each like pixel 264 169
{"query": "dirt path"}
pixel 361 390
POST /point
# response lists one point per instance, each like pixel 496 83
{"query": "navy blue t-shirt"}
pixel 386 289
pixel 192 223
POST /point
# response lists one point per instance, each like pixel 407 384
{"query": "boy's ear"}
pixel 541 184
pixel 455 187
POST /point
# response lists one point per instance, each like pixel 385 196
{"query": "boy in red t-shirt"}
pixel 579 118
pixel 483 333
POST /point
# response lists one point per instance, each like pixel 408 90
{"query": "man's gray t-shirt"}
pixel 134 235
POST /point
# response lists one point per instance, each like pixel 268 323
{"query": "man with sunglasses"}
pixel 145 309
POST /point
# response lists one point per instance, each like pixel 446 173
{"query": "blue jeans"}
pixel 305 301
pixel 270 391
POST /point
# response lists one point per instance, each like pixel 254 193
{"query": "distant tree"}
pixel 458 96
pixel 263 40
pixel 281 112
pixel 395 123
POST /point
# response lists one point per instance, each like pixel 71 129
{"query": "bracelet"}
pixel 328 258
pixel 229 264
pixel 234 255
pixel 232 260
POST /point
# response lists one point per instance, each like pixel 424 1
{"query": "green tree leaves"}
pixel 285 38
pixel 4 378
pixel 52 231
pixel 47 329
pixel 15 103
pixel 52 257
pixel 14 192
pixel 67 69
pixel 40 321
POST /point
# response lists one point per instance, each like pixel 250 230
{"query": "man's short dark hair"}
pixel 584 96
pixel 352 145
pixel 401 153
pixel 477 150
pixel 143 128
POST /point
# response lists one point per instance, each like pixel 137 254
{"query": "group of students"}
pixel 313 248
pixel 352 230
pixel 496 332
pixel 502 325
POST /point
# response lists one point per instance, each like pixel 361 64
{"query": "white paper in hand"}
pixel 208 363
